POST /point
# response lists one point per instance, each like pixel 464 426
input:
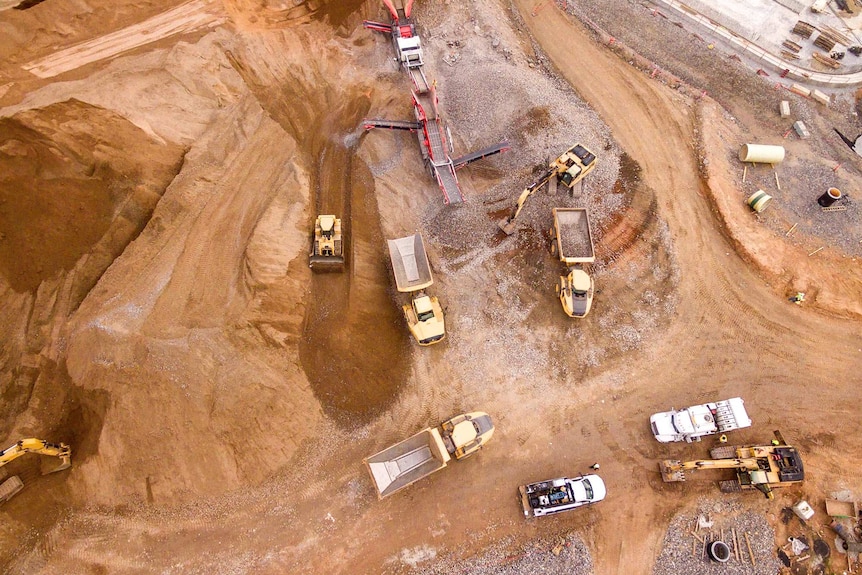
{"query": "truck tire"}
pixel 723 452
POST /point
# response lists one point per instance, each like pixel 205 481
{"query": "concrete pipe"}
pixel 831 196
pixel 761 154
pixel 718 551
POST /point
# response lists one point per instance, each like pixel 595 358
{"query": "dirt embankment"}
pixel 74 194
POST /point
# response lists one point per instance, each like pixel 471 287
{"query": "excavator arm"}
pixel 508 225
pixel 42 447
pixel 674 470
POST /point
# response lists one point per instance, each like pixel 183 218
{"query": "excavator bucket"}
pixel 670 470
pixel 508 226
pixel 65 463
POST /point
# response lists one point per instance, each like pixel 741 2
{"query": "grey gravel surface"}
pixel 565 555
pixel 682 554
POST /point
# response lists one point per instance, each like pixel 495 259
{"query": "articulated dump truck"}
pixel 572 243
pixel 428 451
pixel 412 272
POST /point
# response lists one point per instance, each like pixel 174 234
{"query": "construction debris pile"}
pixel 748 536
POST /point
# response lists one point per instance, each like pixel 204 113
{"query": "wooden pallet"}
pixel 833 209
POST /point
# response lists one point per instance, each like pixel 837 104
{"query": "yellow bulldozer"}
pixel 567 169
pixel 760 467
pixel 327 245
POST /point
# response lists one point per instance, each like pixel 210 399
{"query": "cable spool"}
pixel 723 438
pixel 759 200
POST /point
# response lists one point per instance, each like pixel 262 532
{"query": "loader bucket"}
pixel 325 264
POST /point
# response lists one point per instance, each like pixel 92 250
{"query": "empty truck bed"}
pixel 410 263
pixel 398 466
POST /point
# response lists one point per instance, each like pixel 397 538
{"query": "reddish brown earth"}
pixel 159 315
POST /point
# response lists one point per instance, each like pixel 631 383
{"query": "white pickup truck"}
pixel 563 494
pixel 692 423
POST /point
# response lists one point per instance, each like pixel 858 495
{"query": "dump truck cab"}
pixel 425 319
pixel 576 292
pixel 465 434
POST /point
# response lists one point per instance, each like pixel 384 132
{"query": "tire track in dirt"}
pixel 187 17
pixel 726 314
pixel 354 347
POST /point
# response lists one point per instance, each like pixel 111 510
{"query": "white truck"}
pixel 563 494
pixel 428 451
pixel 692 423
pixel 572 242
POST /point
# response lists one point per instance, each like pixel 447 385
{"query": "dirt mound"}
pixel 73 194
pixel 74 159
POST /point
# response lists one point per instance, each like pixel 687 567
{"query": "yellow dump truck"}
pixel 572 243
pixel 428 451
pixel 412 272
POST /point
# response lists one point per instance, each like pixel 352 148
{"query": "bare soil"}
pixel 160 317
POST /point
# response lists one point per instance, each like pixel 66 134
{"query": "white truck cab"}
pixel 692 423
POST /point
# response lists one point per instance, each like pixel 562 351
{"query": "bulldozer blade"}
pixel 507 227
pixel 326 263
pixel 65 463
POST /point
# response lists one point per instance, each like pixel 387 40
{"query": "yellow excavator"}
pixel 761 467
pixel 13 485
pixel 568 169
pixel 42 447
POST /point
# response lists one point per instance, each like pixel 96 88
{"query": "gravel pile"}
pixel 682 553
pixel 565 556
